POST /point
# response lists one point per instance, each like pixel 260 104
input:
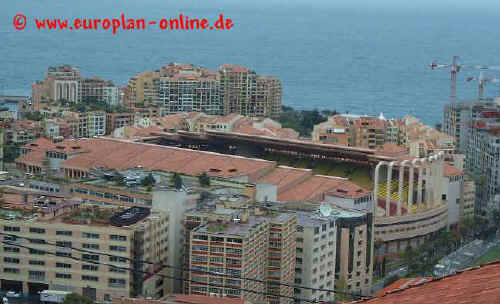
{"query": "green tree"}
pixel 74 298
pixel 204 180
pixel 119 179
pixel 148 181
pixel 176 180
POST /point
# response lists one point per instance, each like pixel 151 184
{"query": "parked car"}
pixel 12 294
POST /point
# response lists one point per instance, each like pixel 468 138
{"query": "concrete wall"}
pixel 453 191
pixel 175 203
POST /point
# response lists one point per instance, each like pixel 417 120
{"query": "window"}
pixel 63 244
pixel 120 283
pixel 37 275
pixel 11 270
pixel 37 263
pixel 90 278
pixel 37 241
pixel 64 233
pixel 200 248
pixel 115 237
pixel 87 235
pixel 37 230
pixel 63 275
pixel 233 251
pixel 216 259
pixel 63 265
pixel 90 267
pixel 63 254
pixel 37 252
pixel 116 269
pixel 316 230
pixel 117 248
pixel 117 259
pixel 11 249
pixel 90 246
pixel 91 257
pixel 11 228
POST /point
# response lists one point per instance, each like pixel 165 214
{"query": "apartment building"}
pixel 328 231
pixel 178 87
pixel 468 199
pixel 142 88
pixel 60 83
pixel 99 90
pixel 261 247
pixel 316 256
pixel 354 264
pixel 267 97
pixel 375 132
pixel 22 132
pixel 352 130
pixel 118 120
pixel 249 94
pixel 50 232
pixel 87 124
pixel 187 88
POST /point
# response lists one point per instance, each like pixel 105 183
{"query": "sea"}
pixel 358 56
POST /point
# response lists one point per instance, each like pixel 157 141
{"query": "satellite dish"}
pixel 325 209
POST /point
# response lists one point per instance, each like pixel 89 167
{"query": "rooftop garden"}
pixel 216 227
pixel 89 215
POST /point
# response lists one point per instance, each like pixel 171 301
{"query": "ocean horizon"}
pixel 358 59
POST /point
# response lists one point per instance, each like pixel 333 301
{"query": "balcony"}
pixel 38 278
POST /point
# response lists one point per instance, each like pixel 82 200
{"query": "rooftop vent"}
pixel 129 216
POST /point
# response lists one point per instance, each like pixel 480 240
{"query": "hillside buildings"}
pixel 186 88
pixel 375 132
pixel 65 83
pixel 200 123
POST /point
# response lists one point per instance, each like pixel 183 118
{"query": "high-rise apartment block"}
pixel 476 126
pixel 99 90
pixel 186 88
pixel 227 244
pixel 65 83
pixel 60 83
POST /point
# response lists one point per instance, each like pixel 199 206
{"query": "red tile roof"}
pixel 285 177
pixel 181 299
pixel 121 155
pixel 450 171
pixel 312 189
pixel 479 285
pixel 399 284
